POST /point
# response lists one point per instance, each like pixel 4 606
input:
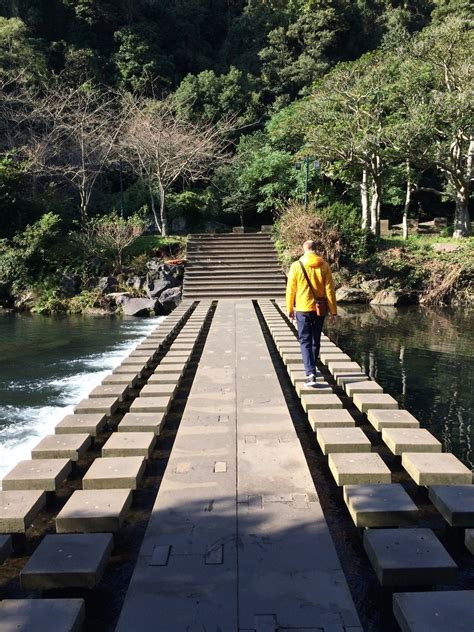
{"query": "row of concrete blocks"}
pixel 77 555
pixel 400 557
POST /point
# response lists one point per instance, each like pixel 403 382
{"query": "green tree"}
pixel 20 56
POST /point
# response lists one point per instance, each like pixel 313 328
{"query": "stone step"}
pixel 342 378
pixel 43 474
pixel 330 418
pixel 432 468
pixel 455 503
pixel 212 282
pixel 333 440
pixel 158 390
pixel 101 405
pixel 165 378
pixel 42 615
pixel 75 560
pixel 321 387
pixel 94 511
pixel 141 422
pixel 437 611
pixel 366 401
pixel 324 401
pixel 343 367
pixel 363 386
pixel 332 356
pixel 18 509
pixel 385 418
pixel 114 473
pixel 380 506
pixel 409 557
pixel 400 440
pixel 62 446
pixel 129 444
pixel 129 380
pixel 359 468
pixel 91 424
pixel 231 293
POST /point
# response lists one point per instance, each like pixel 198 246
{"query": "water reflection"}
pixel 424 358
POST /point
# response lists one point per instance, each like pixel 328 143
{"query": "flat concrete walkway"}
pixel 237 540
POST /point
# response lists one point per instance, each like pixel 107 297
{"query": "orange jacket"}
pixel 298 295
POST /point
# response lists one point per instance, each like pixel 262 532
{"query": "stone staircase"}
pixel 232 266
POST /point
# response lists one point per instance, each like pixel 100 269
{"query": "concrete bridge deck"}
pixel 237 539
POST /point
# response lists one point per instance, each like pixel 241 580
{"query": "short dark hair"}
pixel 310 245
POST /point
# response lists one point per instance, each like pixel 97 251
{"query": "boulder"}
pixel 372 286
pixel 392 297
pixel 155 287
pixel 154 265
pixel 137 282
pixel 107 285
pixel 137 306
pixel 346 294
pixel 70 284
pixel 170 299
pixel 445 247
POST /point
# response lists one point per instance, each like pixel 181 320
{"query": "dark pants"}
pixel 310 326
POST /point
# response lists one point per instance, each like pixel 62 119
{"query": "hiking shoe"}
pixel 310 380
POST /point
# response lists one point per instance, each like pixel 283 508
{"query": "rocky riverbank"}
pixel 155 290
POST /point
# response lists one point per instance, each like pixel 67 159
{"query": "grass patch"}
pixel 155 245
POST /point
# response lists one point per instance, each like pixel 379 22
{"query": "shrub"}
pixel 296 224
pixel 356 244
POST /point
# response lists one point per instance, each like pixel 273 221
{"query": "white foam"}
pixel 28 424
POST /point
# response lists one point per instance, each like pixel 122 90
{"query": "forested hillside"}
pixel 169 116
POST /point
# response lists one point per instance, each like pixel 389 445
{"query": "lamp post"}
pixel 305 165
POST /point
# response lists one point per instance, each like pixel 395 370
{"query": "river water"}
pixel 48 364
pixel 425 359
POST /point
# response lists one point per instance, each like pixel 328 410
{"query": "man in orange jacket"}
pixel 309 296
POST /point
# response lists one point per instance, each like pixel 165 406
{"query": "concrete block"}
pixel 78 424
pixel 18 509
pixel 399 440
pixel 5 552
pixel 150 405
pixel 343 378
pixel 43 474
pixel 175 358
pixel 104 405
pixel 158 390
pixel 342 440
pixel 455 503
pixel 135 363
pixel 142 354
pixel 431 468
pixel 176 367
pixel 384 418
pixel 469 540
pixel 94 511
pixel 141 422
pixel 119 370
pixel 380 506
pixel 365 401
pixel 165 378
pixel 321 387
pixel 62 446
pixel 42 615
pixel 75 560
pixel 408 557
pixel 323 400
pixel 344 367
pixel 125 379
pixel 364 386
pixel 297 374
pixel 114 473
pixel 330 418
pixel 129 444
pixel 109 390
pixel 333 356
pixel 437 611
pixel 359 468
pixel 291 359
